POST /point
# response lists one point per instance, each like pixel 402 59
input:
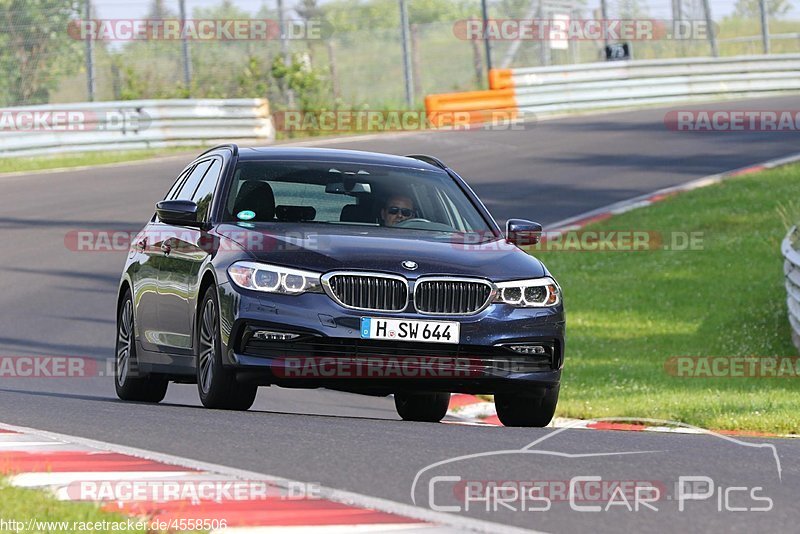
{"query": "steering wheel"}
pixel 419 220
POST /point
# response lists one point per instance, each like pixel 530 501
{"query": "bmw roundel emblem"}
pixel 410 265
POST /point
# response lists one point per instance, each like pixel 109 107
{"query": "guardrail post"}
pixel 187 66
pixel 712 38
pixel 486 42
pixel 404 31
pixel 604 15
pixel 762 8
pixel 285 52
pixel 90 79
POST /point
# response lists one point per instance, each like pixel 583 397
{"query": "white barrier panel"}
pixel 133 124
pixel 791 268
pixel 625 83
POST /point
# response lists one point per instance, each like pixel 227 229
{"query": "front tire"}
pixel 527 411
pixel 217 386
pixel 423 407
pixel 128 380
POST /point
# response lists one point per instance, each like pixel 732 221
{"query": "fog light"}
pixel 528 349
pixel 275 336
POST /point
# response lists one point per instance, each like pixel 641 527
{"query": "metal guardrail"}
pixel 790 247
pixel 556 89
pixel 132 124
pixel 579 87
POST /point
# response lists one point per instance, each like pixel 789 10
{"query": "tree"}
pixel 631 9
pixel 308 10
pixel 159 11
pixel 750 8
pixel 36 49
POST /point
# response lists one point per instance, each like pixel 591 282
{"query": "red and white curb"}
pixel 471 410
pixel 67 465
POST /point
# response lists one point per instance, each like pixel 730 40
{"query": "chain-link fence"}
pixel 341 53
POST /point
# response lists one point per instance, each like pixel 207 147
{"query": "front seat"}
pixel 256 196
pixel 360 213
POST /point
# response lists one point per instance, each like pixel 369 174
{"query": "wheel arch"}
pixel 207 279
pixel 124 286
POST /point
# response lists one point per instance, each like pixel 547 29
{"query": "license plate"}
pixel 410 330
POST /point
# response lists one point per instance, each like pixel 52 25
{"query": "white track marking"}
pixel 341 496
pixel 34 480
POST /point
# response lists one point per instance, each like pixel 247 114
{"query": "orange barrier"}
pixel 470 107
pixel 500 79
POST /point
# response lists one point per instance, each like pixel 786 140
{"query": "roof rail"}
pixel 232 146
pixel 428 159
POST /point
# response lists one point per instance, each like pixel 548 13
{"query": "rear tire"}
pixel 129 382
pixel 217 386
pixel 423 407
pixel 527 411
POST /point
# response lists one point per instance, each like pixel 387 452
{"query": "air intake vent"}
pixel 447 296
pixel 375 292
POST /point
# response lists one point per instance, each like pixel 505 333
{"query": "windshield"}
pixel 377 196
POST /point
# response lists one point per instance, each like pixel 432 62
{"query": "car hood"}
pixel 323 248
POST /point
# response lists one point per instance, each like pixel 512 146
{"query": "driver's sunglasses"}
pixel 405 212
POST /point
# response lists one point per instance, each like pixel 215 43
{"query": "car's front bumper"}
pixel 330 351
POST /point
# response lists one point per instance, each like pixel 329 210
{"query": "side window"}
pixel 177 185
pixel 205 191
pixel 191 183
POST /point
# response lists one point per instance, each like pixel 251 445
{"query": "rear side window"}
pixel 191 183
pixel 205 191
pixel 178 183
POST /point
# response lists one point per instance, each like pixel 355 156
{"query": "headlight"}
pixel 536 293
pixel 273 279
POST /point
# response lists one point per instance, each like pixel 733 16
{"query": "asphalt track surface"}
pixel 55 301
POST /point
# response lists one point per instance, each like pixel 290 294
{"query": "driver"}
pixel 398 208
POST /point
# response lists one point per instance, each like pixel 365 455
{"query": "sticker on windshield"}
pixel 246 215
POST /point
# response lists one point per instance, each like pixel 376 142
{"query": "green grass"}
pixel 24 504
pixel 40 163
pixel 628 312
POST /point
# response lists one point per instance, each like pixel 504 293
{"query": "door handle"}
pixel 165 248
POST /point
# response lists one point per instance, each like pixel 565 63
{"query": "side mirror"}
pixel 523 233
pixel 178 212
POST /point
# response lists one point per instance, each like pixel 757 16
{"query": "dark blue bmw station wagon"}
pixel 355 271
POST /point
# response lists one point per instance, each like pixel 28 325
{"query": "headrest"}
pixel 295 213
pixel 257 197
pixel 356 213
